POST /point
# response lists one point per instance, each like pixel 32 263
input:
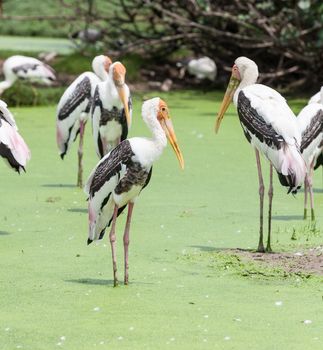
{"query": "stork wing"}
pixel 75 96
pixel 74 104
pixel 109 166
pixel 253 123
pixel 100 185
pixel 313 131
pixel 12 146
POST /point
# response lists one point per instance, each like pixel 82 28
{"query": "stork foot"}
pixel 312 215
pixel 305 214
pixel 115 282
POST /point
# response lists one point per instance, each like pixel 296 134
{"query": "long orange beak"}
pixel 122 95
pixel 168 127
pixel 228 96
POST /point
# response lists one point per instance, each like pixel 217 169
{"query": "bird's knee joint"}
pixel 261 190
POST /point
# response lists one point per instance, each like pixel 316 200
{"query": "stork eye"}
pixel 163 109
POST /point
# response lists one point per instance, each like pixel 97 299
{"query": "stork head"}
pixel 101 65
pixel 156 110
pixel 244 70
pixel 118 71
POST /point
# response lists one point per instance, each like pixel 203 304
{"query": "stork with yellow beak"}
pixel 120 176
pixel 111 110
pixel 271 128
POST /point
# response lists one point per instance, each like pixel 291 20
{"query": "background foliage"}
pixel 284 37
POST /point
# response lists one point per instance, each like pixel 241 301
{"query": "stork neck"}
pixel 5 85
pixel 250 77
pixel 158 139
pixel 101 72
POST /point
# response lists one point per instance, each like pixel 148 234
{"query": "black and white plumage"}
pixel 271 128
pixel 111 111
pixel 310 122
pixel 121 175
pixel 12 146
pixel 25 68
pixel 74 108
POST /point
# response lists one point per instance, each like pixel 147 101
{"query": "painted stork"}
pixel 310 122
pixel 271 128
pixel 121 175
pixel 74 108
pixel 317 98
pixel 12 146
pixel 111 111
pixel 202 68
pixel 25 68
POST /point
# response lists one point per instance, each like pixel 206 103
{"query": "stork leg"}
pixel 126 243
pixel 270 196
pixel 80 156
pixel 261 197
pixel 112 237
pixel 305 197
pixel 310 187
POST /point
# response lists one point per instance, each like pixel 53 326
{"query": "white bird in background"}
pixel 310 122
pixel 111 110
pixel 121 175
pixel 25 68
pixel 202 68
pixel 271 128
pixel 74 108
pixel 317 98
pixel 12 146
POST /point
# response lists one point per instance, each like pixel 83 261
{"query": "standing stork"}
pixel 25 68
pixel 74 107
pixel 12 146
pixel 310 122
pixel 271 128
pixel 111 111
pixel 121 175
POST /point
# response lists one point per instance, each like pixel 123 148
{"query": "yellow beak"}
pixel 123 98
pixel 167 125
pixel 228 96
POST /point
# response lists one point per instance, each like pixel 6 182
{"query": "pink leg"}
pixel 261 196
pixel 305 197
pixel 310 186
pixel 270 196
pixel 112 237
pixel 126 243
pixel 80 156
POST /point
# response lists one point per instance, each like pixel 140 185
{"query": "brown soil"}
pixel 303 261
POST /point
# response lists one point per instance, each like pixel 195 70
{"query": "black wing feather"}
pixel 253 123
pixel 313 130
pixel 108 168
pixel 80 93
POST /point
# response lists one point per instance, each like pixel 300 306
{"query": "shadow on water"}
pixel 59 185
pixel 4 233
pixel 315 190
pixel 91 281
pixel 77 210
pixel 100 282
pixel 204 248
pixel 287 217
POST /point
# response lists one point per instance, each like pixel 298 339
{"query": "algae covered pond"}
pixel 189 286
